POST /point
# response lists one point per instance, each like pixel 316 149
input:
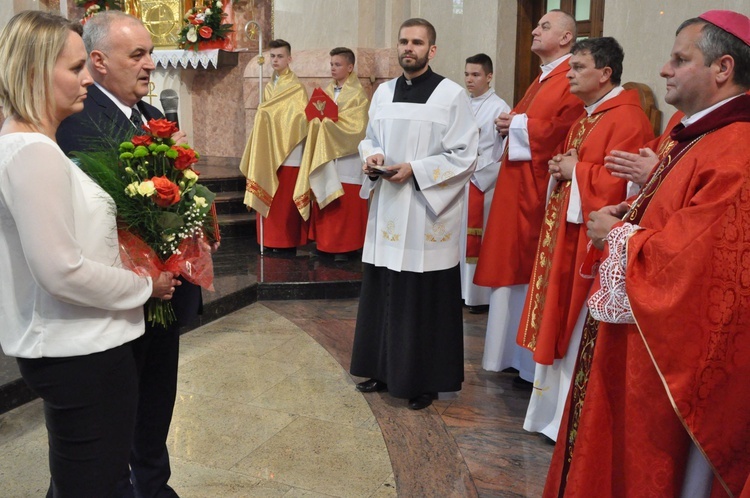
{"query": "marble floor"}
pixel 266 408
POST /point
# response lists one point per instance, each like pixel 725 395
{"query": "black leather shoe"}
pixel 371 386
pixel 520 383
pixel 421 401
pixel 479 309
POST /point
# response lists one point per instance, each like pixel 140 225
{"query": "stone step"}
pixel 237 224
pixel 230 202
pixel 221 174
pixel 226 184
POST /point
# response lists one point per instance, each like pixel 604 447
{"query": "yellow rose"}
pixel 146 189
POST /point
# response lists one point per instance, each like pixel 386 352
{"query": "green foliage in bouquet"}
pixel 157 194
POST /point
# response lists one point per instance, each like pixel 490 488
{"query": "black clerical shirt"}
pixel 420 89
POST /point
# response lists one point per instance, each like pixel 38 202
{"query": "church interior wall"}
pixel 217 106
pixel 646 31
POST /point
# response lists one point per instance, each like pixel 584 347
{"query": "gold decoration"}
pixel 151 94
pixel 133 7
pixel 390 232
pixel 163 19
pixel 438 233
pixel 320 105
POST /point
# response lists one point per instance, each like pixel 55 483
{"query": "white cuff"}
pixel 575 210
pixel 519 147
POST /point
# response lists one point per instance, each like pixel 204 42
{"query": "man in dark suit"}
pixel 120 63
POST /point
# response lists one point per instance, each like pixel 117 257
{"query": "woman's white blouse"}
pixel 64 291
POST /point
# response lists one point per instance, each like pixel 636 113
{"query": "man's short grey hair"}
pixel 715 42
pixel 97 28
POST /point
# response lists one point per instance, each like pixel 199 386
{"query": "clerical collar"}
pixel 417 90
pixel 550 66
pixel 688 120
pixel 418 79
pixel 591 109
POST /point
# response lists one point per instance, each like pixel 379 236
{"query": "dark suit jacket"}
pixel 102 124
pixel 100 120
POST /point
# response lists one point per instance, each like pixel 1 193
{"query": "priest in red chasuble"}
pixel 666 407
pixel 554 311
pixel 535 128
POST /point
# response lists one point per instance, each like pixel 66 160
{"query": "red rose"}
pixel 161 128
pixel 205 32
pixel 144 140
pixel 185 157
pixel 167 193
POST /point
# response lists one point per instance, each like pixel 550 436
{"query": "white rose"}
pixel 132 189
pixel 189 175
pixel 146 189
pixel 219 5
pixel 200 201
pixel 208 12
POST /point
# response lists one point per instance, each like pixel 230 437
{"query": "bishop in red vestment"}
pixel 667 394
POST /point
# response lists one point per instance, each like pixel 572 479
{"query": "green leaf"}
pixel 168 220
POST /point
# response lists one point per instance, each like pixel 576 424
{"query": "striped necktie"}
pixel 136 119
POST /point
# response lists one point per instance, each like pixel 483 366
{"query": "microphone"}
pixel 169 102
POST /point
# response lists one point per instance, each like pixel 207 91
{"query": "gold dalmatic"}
pixel 280 125
pixel 554 216
pixel 328 140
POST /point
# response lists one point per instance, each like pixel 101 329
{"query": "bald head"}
pixel 554 35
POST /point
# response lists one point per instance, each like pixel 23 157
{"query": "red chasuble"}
pixel 573 405
pixel 680 374
pixel 512 231
pixel 517 210
pixel 558 292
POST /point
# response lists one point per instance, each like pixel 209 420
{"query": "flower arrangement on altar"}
pixel 95 6
pixel 162 209
pixel 203 25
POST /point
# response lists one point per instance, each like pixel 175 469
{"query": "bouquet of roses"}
pixel 204 25
pixel 162 209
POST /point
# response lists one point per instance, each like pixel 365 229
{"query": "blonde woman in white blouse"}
pixel 67 307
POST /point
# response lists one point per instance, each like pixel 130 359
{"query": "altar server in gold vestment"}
pixel 331 168
pixel 273 153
